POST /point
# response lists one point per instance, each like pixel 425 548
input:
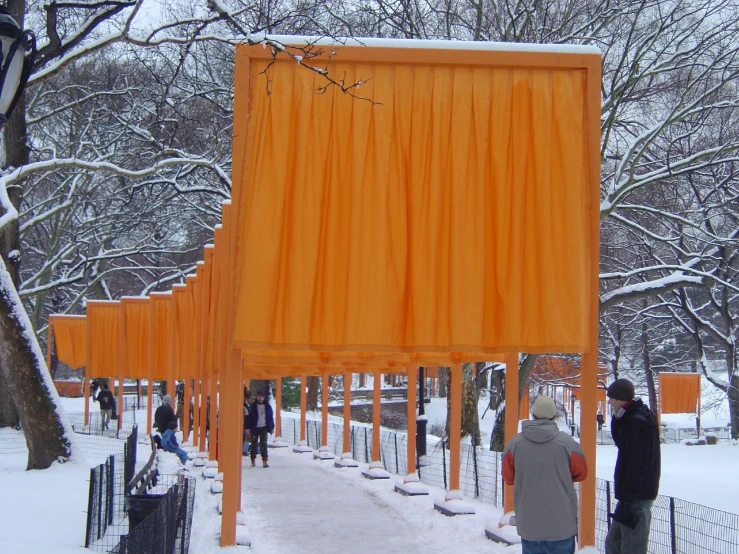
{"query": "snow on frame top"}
pixel 297 40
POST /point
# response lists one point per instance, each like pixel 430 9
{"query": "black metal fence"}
pixel 678 527
pixel 160 523
pixel 106 507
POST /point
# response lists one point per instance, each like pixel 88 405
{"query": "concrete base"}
pixel 212 463
pixel 505 535
pixel 216 487
pixel 411 489
pixel 302 448
pixel 376 473
pixel 240 518
pixel 210 472
pixel 345 461
pixel 242 536
pixel 277 442
pixel 198 462
pixel 454 508
pixel 218 477
pixel 319 455
pixel 219 505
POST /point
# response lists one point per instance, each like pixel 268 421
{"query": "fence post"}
pixel 395 439
pixel 474 466
pixel 366 448
pixel 111 488
pixel 608 504
pixel 100 501
pixel 443 460
pixel 90 499
pixel 673 537
pixel 354 448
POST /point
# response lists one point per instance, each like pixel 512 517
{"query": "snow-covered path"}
pixel 301 504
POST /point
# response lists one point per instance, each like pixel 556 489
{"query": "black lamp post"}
pixel 16 59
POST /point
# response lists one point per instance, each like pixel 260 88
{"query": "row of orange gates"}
pixel 446 211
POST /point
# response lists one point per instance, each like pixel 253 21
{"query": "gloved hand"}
pixel 624 514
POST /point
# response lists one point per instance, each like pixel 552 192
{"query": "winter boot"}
pixel 264 462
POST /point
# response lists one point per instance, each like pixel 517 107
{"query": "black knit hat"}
pixel 621 389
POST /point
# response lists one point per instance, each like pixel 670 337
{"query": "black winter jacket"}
pixel 638 466
pixel 162 416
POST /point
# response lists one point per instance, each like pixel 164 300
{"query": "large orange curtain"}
pixel 161 335
pixel 484 170
pixel 103 320
pixel 134 338
pixel 679 393
pixel 70 334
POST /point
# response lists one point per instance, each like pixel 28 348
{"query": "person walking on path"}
pixel 601 420
pixel 106 400
pixel 164 415
pixel 636 477
pixel 261 423
pixel 247 431
pixel 543 463
pixel 170 444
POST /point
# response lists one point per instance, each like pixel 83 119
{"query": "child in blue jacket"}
pixel 169 442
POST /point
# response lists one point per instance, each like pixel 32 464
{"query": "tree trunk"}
pixel 443 380
pixel 256 385
pixel 497 437
pixel 29 381
pixel 470 415
pixel 734 405
pixel 646 361
pixel 314 384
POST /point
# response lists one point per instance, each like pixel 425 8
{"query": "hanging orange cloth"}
pixel 103 320
pixel 134 337
pixel 449 213
pixel 160 305
pixel 679 393
pixel 70 334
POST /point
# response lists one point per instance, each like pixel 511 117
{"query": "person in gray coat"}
pixel 543 463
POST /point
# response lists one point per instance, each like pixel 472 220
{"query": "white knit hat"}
pixel 544 408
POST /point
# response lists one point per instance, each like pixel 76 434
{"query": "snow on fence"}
pixel 678 526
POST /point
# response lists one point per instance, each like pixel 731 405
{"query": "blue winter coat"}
pixel 169 441
pixel 254 417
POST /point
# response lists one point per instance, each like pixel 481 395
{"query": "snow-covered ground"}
pixel 299 503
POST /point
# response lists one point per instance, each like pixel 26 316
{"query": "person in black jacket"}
pixel 164 415
pixel 261 422
pixel 636 477
pixel 107 403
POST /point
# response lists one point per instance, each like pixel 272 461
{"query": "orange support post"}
pixel 196 411
pixel 213 434
pixel 376 415
pixel 324 411
pixel 204 385
pixel 121 343
pixel 88 357
pixel 303 405
pixel 86 393
pixel 411 410
pixel 230 462
pixel 511 414
pixel 278 407
pixel 347 411
pixel 149 371
pixel 455 425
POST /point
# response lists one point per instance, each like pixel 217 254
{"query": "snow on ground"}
pixel 701 474
pixel 302 504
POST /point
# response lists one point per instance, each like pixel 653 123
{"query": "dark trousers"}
pixel 261 436
pixel 624 540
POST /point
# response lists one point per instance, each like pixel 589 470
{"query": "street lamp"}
pixel 16 59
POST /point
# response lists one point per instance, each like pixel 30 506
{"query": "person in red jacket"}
pixel 543 463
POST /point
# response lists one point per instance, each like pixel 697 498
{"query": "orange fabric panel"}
pixel 481 168
pixel 135 337
pixel 207 311
pixel 179 297
pixel 679 392
pixel 160 305
pixel 70 334
pixel 103 333
pixel 189 321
